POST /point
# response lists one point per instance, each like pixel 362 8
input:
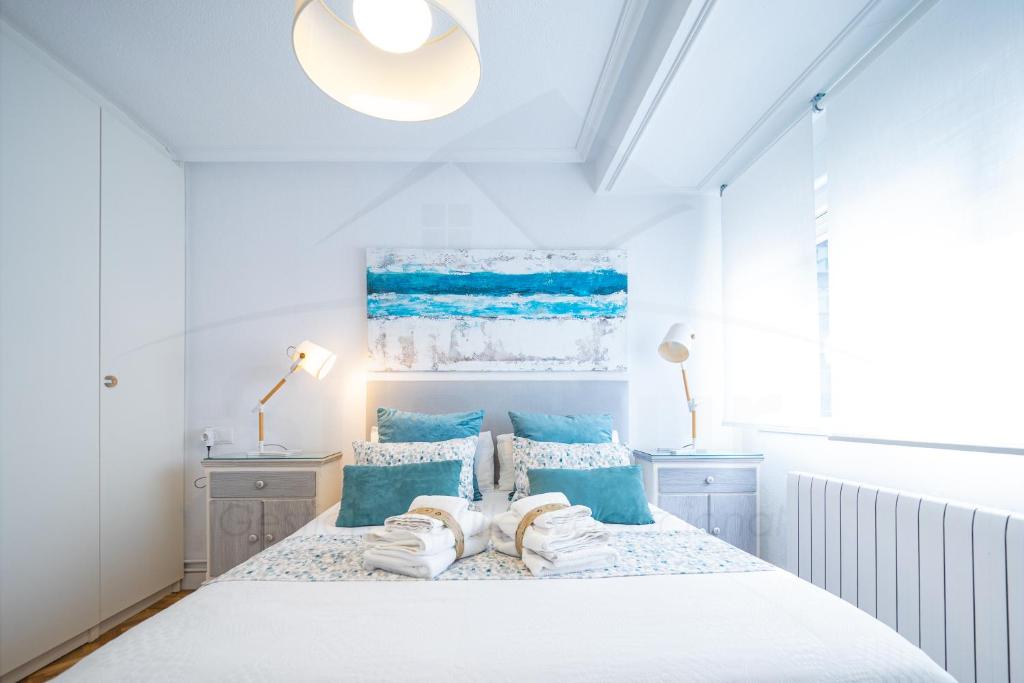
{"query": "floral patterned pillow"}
pixel 370 453
pixel 527 455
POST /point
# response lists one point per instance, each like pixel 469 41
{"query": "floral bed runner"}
pixel 340 558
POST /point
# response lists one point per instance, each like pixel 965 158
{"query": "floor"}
pixel 58 667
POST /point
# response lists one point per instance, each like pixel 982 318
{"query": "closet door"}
pixel 141 344
pixel 49 353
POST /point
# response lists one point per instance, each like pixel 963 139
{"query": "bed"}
pixel 748 625
pixel 290 614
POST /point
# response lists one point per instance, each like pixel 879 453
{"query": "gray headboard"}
pixel 497 397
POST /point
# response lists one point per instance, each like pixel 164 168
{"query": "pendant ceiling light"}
pixel 401 60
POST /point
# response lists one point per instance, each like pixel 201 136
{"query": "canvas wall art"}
pixel 500 310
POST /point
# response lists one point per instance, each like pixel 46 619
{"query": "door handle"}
pixel 110 381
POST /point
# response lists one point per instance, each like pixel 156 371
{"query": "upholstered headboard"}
pixel 497 397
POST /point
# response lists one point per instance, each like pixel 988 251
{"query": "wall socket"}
pixel 216 436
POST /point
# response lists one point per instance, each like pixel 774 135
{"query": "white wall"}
pixel 276 255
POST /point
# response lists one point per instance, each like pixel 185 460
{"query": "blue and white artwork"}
pixel 496 309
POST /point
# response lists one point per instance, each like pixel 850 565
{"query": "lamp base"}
pixel 270 453
pixel 677 449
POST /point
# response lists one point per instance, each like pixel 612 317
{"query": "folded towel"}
pixel 453 505
pixel 425 534
pixel 591 558
pixel 583 533
pixel 421 545
pixel 565 530
pixel 552 519
pixel 419 565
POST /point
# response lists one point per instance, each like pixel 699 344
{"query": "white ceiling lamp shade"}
pixel 393 68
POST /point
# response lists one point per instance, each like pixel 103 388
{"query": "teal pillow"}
pixel 398 426
pixel 372 493
pixel 562 428
pixel 615 495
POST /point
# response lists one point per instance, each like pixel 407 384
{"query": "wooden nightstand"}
pixel 255 501
pixel 713 490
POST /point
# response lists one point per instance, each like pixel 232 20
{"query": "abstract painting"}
pixel 496 309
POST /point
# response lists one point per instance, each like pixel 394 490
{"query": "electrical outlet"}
pixel 217 436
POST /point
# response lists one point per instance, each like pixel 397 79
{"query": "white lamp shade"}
pixel 677 344
pixel 318 361
pixel 427 83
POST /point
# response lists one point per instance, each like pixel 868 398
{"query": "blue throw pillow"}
pixel 398 426
pixel 562 428
pixel 372 493
pixel 615 495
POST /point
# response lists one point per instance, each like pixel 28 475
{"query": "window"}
pixel 821 259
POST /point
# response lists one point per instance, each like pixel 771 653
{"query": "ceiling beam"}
pixel 662 40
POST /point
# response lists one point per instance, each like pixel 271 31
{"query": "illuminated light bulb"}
pixel 397 26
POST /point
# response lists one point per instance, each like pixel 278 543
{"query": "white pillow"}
pixel 403 453
pixel 529 454
pixel 506 464
pixel 484 461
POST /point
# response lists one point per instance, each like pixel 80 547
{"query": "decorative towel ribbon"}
pixel 450 522
pixel 529 518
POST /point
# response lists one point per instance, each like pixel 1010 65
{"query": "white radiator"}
pixel 948 577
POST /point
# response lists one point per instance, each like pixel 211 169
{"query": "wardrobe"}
pixel 92 310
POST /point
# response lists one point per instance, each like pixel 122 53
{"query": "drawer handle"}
pixel 260 484
pixel 710 479
pixel 253 538
pixel 270 538
pixel 717 531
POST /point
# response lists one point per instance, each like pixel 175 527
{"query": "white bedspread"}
pixel 752 626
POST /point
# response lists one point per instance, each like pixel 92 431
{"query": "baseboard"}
pixel 195 574
pixel 88 636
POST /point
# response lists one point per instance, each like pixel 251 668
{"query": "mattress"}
pixel 752 626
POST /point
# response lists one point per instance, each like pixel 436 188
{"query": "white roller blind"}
pixel 926 189
pixel 769 287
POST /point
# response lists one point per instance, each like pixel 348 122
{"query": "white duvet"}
pixel 753 626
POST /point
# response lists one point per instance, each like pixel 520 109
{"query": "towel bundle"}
pixel 552 536
pixel 422 544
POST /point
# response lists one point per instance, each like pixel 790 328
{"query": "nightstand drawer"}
pixel 707 480
pixel 262 484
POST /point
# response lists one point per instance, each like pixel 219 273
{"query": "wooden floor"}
pixel 58 667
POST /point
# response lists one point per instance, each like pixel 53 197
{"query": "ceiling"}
pixel 649 95
pixel 219 81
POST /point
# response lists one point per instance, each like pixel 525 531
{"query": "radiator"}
pixel 948 577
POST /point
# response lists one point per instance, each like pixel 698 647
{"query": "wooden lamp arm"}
pixel 691 405
pixel 274 390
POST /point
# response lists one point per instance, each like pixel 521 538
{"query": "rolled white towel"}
pixel 548 536
pixel 570 528
pixel 582 534
pixel 418 565
pixel 426 534
pixel 553 519
pixel 453 505
pixel 428 542
pixel 591 558
pixel 420 545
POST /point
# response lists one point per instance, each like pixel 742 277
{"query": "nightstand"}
pixel 713 490
pixel 254 501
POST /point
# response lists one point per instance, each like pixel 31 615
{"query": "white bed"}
pixel 764 625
